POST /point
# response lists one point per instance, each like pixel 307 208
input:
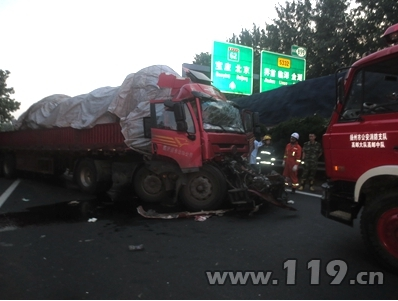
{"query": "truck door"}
pixel 366 134
pixel 182 146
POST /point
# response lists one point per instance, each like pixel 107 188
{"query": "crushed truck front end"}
pixel 202 137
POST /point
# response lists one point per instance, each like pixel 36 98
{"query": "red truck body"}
pixel 196 141
pixel 107 137
pixel 361 152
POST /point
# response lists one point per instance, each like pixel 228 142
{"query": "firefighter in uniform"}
pixel 312 150
pixel 291 161
pixel 266 155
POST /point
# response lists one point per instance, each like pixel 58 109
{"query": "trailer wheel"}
pixel 379 228
pixel 204 190
pixel 149 186
pixel 86 177
pixel 9 166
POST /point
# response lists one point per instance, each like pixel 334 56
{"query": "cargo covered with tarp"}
pixel 126 104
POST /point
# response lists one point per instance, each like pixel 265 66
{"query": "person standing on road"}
pixel 291 161
pixel 312 150
pixel 266 153
pixel 253 155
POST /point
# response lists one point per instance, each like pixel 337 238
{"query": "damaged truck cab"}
pixel 198 140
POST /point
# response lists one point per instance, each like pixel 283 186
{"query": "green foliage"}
pixel 203 59
pixel 6 127
pixel 303 126
pixel 372 18
pixel 335 32
pixel 7 105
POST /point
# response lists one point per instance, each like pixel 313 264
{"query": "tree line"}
pixel 335 33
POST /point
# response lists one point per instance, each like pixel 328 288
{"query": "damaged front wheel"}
pixel 205 189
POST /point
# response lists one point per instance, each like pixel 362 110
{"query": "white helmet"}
pixel 295 135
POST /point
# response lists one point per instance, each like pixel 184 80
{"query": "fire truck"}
pixel 197 143
pixel 361 151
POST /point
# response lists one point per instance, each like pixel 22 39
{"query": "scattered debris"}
pixel 42 236
pixel 92 220
pixel 4 244
pixel 73 203
pixel 255 209
pixel 154 214
pixel 136 247
pixel 25 200
pixel 201 218
pixel 290 202
pixel 8 228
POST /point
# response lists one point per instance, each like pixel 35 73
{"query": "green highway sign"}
pixel 298 51
pixel 280 70
pixel 232 68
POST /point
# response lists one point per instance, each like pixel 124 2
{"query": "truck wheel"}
pixel 9 166
pixel 86 177
pixel 379 228
pixel 204 190
pixel 149 186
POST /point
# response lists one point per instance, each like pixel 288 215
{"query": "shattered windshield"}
pixel 221 116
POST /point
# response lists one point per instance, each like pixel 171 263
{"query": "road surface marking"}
pixel 305 193
pixel 8 192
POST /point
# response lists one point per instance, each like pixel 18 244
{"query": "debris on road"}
pixel 154 214
pixel 8 228
pixel 4 244
pixel 25 199
pixel 92 220
pixel 74 203
pixel 136 247
pixel 201 218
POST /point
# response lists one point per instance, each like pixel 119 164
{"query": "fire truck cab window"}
pixel 353 103
pixel 373 92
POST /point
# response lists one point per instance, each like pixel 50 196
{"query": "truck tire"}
pixel 379 229
pixel 9 166
pixel 149 186
pixel 86 177
pixel 204 190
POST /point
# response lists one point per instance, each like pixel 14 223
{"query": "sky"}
pixel 73 47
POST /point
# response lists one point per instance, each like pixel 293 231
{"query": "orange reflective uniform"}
pixel 292 157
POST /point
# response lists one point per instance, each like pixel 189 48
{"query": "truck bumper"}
pixel 338 204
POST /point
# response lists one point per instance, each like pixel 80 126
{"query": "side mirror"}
pixel 182 126
pixel 256 119
pixel 169 103
pixel 257 130
pixel 147 127
pixel 179 112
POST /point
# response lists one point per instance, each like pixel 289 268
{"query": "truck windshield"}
pixel 220 116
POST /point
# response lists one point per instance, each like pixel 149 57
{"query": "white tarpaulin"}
pixel 132 103
pixel 127 104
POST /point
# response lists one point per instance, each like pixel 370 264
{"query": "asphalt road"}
pixel 50 250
